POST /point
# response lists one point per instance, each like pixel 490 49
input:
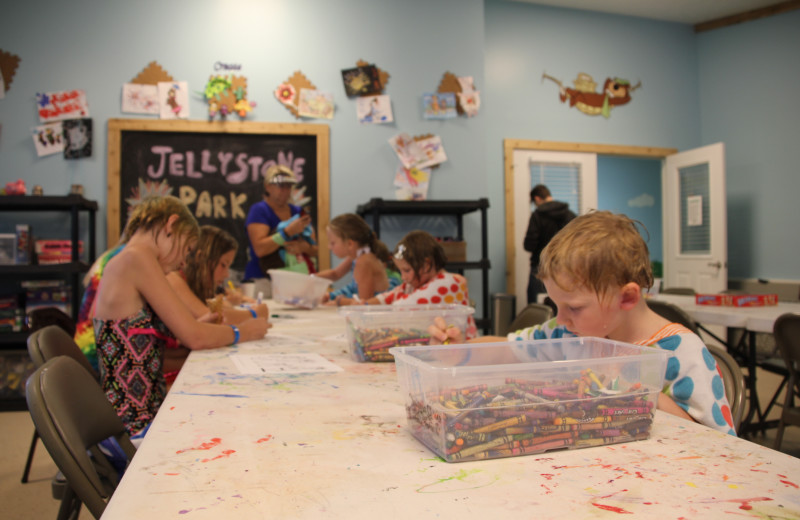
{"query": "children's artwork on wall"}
pixel 383 76
pixel 77 138
pixel 315 103
pixel 468 99
pixel 139 99
pixel 374 109
pixel 407 150
pixel 8 67
pixel 288 92
pixel 433 151
pixel 361 81
pixel 2 86
pixel 437 105
pixel 584 96
pixel 173 99
pixel 411 183
pixel 227 94
pixel 48 139
pixel 58 106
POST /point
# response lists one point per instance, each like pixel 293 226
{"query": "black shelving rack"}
pixel 74 205
pixel 378 207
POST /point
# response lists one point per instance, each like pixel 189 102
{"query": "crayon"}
pixel 502 424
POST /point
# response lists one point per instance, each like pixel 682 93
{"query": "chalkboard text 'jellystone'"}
pixel 234 168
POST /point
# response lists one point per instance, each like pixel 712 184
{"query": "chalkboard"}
pixel 216 168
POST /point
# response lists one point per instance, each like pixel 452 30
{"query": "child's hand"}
pixel 211 317
pixel 344 300
pixel 255 328
pixel 262 310
pixel 234 296
pixel 443 334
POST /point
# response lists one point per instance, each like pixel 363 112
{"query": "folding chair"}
pixel 787 337
pixel 673 313
pixel 733 379
pixel 532 314
pixel 72 416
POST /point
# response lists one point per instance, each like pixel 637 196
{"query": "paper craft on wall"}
pixel 584 97
pixel 468 100
pixel 153 74
pixel 315 103
pixel 77 138
pixel 57 106
pixel 411 183
pixel 374 109
pixel 8 67
pixel 227 94
pixel 288 92
pixel 173 99
pixel 48 139
pixel 432 149
pixel 437 105
pixel 139 99
pixel 420 152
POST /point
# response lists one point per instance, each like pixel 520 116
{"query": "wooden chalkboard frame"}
pixel 321 132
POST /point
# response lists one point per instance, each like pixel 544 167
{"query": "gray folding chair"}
pixel 787 337
pixel 532 314
pixel 733 379
pixel 687 291
pixel 673 313
pixel 72 416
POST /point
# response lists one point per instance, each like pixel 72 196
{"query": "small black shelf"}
pixel 377 207
pixel 16 342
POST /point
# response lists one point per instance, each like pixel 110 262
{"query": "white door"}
pixel 695 220
pixel 586 163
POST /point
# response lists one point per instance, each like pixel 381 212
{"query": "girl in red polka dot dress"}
pixel 421 259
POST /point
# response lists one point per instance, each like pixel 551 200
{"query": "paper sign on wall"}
pixel 57 106
pixel 694 210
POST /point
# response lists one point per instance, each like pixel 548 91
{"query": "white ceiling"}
pixel 683 11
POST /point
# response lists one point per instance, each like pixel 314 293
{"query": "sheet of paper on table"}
pixel 301 363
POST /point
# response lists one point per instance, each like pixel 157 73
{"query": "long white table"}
pixel 336 445
pixel 752 320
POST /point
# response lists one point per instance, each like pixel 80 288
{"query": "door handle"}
pixel 716 264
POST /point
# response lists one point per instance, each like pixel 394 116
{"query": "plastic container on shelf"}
pixel 297 289
pixel 491 400
pixel 373 329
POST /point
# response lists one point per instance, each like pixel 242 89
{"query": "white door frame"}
pixel 512 145
pixel 587 166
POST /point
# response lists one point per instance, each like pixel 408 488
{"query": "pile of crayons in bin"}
pixel 374 344
pixel 523 417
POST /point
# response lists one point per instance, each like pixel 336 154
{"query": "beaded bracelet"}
pixel 235 334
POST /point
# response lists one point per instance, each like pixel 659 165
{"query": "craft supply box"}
pixel 373 329
pixel 297 289
pixel 736 300
pixel 491 400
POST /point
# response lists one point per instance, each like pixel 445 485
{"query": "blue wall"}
pixel 749 81
pixel 734 85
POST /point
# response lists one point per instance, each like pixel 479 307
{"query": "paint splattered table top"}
pixel 336 445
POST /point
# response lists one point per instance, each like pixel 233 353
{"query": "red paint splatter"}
pixel 171 407
pixel 225 453
pixel 745 502
pixel 639 474
pixel 789 483
pixel 205 446
pixel 548 476
pixel 171 474
pixel 264 439
pixel 613 509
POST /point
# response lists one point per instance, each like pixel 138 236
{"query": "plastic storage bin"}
pixel 373 329
pixel 297 289
pixel 484 401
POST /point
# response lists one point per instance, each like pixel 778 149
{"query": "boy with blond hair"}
pixel 594 269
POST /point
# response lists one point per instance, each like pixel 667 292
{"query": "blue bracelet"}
pixel 235 334
pixel 283 234
pixel 252 312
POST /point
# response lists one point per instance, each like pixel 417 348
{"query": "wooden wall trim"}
pixel 748 16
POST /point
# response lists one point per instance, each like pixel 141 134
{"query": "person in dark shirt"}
pixel 547 220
